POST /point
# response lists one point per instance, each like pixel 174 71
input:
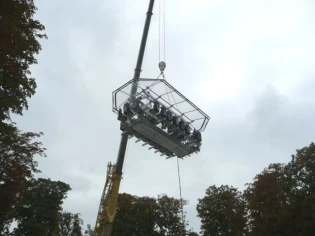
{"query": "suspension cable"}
pixel 124 167
pixel 162 30
pixel 164 8
pixel 162 66
pixel 159 30
pixel 180 191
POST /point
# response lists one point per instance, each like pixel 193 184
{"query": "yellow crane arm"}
pixel 108 203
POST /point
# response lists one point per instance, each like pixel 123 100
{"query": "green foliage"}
pixel 280 201
pixel 222 212
pixel 18 45
pixel 192 234
pixel 169 216
pixel 89 231
pixel 17 165
pixel 135 216
pixel 268 201
pixel 302 178
pixel 40 207
pixel 70 224
pixel 142 216
pixel 35 204
pixel 19 34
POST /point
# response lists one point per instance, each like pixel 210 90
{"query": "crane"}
pixel 171 128
pixel 107 207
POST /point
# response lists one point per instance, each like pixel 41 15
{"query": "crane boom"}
pixel 108 203
pixel 105 215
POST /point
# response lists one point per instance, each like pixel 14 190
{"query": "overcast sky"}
pixel 249 64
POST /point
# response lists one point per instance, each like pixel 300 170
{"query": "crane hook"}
pixel 162 66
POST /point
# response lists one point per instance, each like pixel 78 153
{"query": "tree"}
pixel 302 195
pixel 222 212
pixel 135 216
pixel 70 224
pixel 17 165
pixel 89 231
pixel 142 216
pixel 170 220
pixel 269 202
pixel 281 200
pixel 18 45
pixel 192 234
pixel 40 208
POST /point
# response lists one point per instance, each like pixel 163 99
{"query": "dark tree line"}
pixel 280 201
pixel 18 46
pixel 150 216
pixel 34 204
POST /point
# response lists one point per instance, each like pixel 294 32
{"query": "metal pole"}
pixel 116 176
pixel 124 136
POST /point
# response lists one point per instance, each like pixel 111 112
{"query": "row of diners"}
pixel 158 114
